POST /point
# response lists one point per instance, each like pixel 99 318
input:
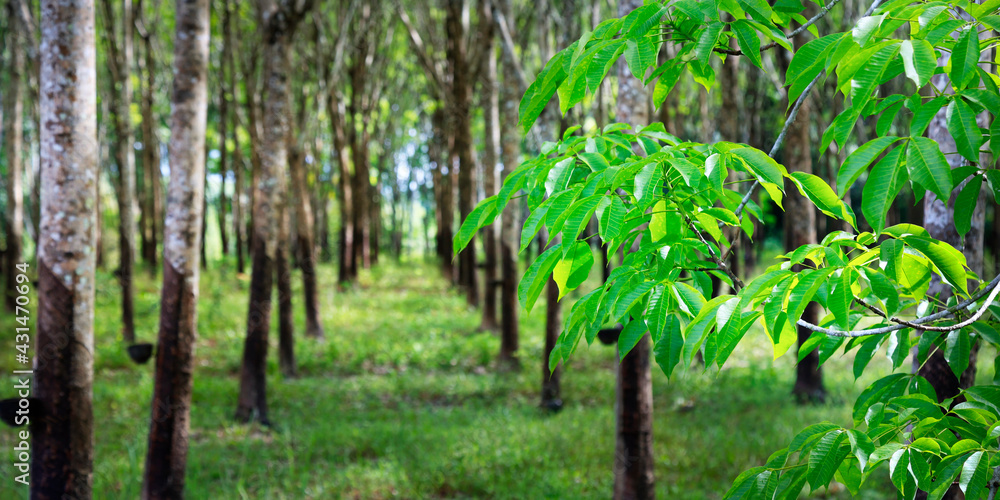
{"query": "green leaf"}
pixel 919 61
pixel 949 262
pixel 638 22
pixel 481 216
pixel 928 167
pixel 573 269
pixel 577 217
pixel 965 204
pixel 808 61
pixel 611 217
pixel 993 176
pixel 640 55
pixel 964 129
pixel 658 221
pixel 957 351
pixel 975 473
pixel 596 161
pixel 803 291
pixel 706 41
pixel 691 301
pixel 819 192
pixel 749 41
pixel 648 184
pixel 841 297
pixel 764 168
pixel 885 182
pixel 537 275
pixel 824 458
pixel 559 176
pixel 858 161
pixel 923 113
pixel 672 71
pixel 965 58
pixel 539 93
pixel 667 350
pixel 532 225
pixel 629 337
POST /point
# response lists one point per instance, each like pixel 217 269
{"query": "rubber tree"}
pixel 634 387
pixel 278 26
pixel 13 134
pixel 166 456
pixel 510 141
pixel 63 439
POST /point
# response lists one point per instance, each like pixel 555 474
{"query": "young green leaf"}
pixel 965 205
pixel 858 161
pixel 537 275
pixel 819 192
pixel 919 61
pixel 965 58
pixel 749 41
pixel 629 337
pixel 669 344
pixel 886 180
pixel 928 167
pixel 481 216
pixel 949 262
pixel 964 129
pixel 573 269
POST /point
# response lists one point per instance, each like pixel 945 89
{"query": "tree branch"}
pixel 737 282
pixel 994 484
pixel 508 46
pixel 992 289
pixel 434 72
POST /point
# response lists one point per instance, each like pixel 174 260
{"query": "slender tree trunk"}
pixel 223 153
pixel 239 228
pixel 63 440
pixel 509 235
pixel 151 213
pixel 278 27
pixel 283 273
pixel 634 388
pixel 125 159
pixel 307 248
pixel 362 163
pixel 551 391
pixel 346 272
pixel 491 130
pixel 440 148
pixel 460 122
pixel 166 456
pixel 14 135
pixel 801 230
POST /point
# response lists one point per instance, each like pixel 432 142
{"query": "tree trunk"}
pixel 125 159
pixel 361 188
pixel 278 27
pixel 634 389
pixel 307 248
pixel 509 235
pixel 491 131
pixel 801 230
pixel 439 150
pixel 223 155
pixel 460 123
pixel 551 393
pixel 14 135
pixel 63 439
pixel 239 227
pixel 151 213
pixel 346 271
pixel 283 273
pixel 166 457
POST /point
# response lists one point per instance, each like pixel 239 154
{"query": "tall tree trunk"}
pixel 278 28
pixel 14 134
pixel 491 131
pixel 439 149
pixel 125 159
pixel 239 228
pixel 509 235
pixel 63 440
pixel 346 272
pixel 307 248
pixel 551 377
pixel 460 122
pixel 801 230
pixel 151 198
pixel 634 388
pixel 223 152
pixel 283 273
pixel 166 457
pixel 359 136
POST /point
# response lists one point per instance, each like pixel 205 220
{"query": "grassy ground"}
pixel 403 401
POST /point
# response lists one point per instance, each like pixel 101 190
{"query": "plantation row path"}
pixel 403 400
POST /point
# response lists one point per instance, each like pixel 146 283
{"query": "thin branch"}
pixel 508 46
pixel 992 289
pixel 994 484
pixel 434 72
pixel 737 282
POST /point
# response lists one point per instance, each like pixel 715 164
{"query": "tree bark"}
pixel 491 130
pixel 239 227
pixel 121 92
pixel 359 136
pixel 551 376
pixel 346 272
pixel 440 148
pixel 278 28
pixel 634 388
pixel 460 123
pixel 511 153
pixel 223 149
pixel 14 134
pixel 283 272
pixel 151 215
pixel 307 248
pixel 63 436
pixel 166 456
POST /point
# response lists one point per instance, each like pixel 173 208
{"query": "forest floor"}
pixel 403 400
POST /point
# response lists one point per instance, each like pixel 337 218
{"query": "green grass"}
pixel 403 401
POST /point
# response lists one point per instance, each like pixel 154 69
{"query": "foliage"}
pixel 667 202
